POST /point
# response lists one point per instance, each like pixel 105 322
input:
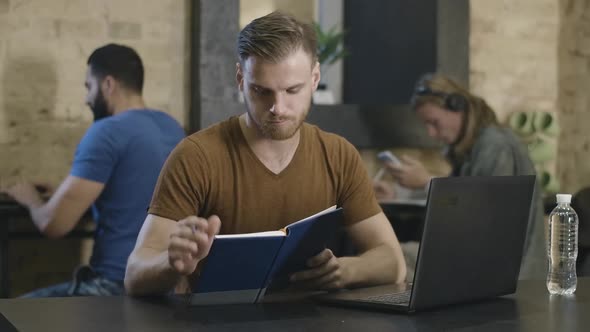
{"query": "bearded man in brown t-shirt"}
pixel 261 171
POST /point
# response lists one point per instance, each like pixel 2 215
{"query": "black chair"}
pixel 581 203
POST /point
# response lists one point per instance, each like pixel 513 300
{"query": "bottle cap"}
pixel 564 198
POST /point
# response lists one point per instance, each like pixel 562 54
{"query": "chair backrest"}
pixel 581 203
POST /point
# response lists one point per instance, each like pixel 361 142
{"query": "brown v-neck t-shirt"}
pixel 214 171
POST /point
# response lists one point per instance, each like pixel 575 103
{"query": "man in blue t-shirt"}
pixel 114 172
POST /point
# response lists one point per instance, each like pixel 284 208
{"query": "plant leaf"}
pixel 330 44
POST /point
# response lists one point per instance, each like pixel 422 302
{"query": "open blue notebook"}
pixel 240 267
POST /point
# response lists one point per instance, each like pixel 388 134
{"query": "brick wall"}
pixel 514 62
pixel 251 9
pixel 44 46
pixel 533 55
pixel 573 94
pixel 513 54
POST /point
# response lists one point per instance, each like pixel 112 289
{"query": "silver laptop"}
pixel 471 248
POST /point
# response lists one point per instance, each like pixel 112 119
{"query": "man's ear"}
pixel 239 76
pixel 316 75
pixel 108 85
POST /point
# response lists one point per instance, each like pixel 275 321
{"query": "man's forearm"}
pixel 149 272
pixel 53 224
pixel 380 265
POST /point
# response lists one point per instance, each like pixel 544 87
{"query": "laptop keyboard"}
pixel 392 298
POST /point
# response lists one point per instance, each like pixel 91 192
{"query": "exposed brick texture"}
pixel 513 54
pixel 44 46
pixel 514 60
pixel 573 96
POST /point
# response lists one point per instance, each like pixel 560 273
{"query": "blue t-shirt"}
pixel 125 152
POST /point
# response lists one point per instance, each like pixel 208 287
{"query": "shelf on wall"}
pixel 373 126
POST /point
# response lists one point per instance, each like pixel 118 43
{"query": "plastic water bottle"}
pixel 562 247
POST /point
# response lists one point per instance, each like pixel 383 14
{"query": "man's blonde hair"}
pixel 275 36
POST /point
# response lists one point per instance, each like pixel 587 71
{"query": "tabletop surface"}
pixel 530 309
pixel 11 208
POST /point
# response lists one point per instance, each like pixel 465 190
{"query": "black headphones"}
pixel 454 102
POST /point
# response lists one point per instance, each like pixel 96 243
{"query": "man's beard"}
pixel 99 107
pixel 268 130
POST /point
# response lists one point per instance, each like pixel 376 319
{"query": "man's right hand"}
pixel 25 194
pixel 410 174
pixel 191 241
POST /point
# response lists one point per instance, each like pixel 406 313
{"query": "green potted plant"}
pixel 330 45
pixel 330 49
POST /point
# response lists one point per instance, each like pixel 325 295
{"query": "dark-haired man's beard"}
pixel 99 108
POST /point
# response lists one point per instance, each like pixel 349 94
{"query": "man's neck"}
pixel 129 102
pixel 274 154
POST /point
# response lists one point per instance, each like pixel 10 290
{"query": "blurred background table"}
pixel 16 225
pixel 406 217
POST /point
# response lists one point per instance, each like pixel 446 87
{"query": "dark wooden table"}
pixel 15 224
pixel 9 212
pixel 530 309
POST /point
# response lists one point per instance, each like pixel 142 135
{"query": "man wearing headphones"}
pixel 476 145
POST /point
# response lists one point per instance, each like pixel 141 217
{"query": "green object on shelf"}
pixel 548 181
pixel 546 123
pixel 521 123
pixel 541 150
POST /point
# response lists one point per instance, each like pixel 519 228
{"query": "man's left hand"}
pixel 326 272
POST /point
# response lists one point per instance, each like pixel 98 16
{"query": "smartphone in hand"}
pixel 387 156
